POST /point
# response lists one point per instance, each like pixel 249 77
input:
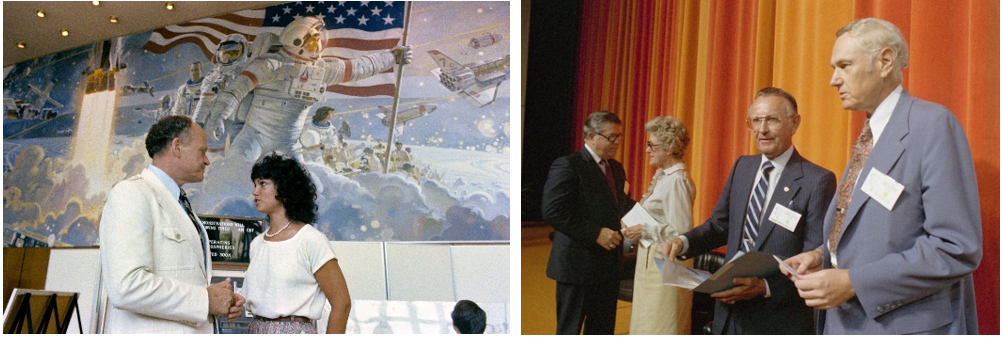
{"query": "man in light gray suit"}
pixel 904 232
pixel 154 252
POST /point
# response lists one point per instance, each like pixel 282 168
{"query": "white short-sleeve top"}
pixel 280 279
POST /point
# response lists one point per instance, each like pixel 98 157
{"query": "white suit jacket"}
pixel 153 267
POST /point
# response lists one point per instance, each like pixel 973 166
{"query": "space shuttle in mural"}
pixel 386 169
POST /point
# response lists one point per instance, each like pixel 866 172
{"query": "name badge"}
pixel 882 188
pixel 785 217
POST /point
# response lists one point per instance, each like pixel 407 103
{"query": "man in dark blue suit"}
pixel 904 234
pixel 796 192
pixel 584 201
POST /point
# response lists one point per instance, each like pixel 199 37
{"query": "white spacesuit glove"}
pixel 223 106
pixel 402 55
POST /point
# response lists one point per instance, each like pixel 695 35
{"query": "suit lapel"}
pixel 178 215
pixel 745 174
pixel 784 191
pixel 885 153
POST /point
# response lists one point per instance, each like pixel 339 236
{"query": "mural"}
pixel 313 79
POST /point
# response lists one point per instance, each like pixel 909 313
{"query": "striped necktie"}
pixel 753 210
pixel 192 217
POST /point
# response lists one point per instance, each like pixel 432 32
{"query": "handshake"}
pixel 223 300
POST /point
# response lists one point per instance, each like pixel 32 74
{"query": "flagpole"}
pixel 397 90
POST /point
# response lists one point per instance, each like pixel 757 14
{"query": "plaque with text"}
pixel 230 239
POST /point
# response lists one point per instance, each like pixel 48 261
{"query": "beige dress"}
pixel 657 308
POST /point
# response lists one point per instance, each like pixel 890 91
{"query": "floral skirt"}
pixel 258 326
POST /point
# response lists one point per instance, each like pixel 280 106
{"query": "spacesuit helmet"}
pixel 304 37
pixel 232 50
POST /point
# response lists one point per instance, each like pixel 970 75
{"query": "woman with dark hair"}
pixel 293 268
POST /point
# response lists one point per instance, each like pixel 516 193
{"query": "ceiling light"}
pixel 113 19
pixel 21 45
pixel 169 6
pixel 96 3
pixel 64 32
pixel 40 13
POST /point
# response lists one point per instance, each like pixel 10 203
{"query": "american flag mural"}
pixel 354 28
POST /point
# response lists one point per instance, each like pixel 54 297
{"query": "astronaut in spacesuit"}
pixel 283 82
pixel 188 95
pixel 232 54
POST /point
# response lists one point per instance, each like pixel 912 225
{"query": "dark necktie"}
pixel 862 148
pixel 610 179
pixel 752 223
pixel 192 217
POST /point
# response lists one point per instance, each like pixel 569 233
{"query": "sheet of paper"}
pixel 786 266
pixel 638 215
pixel 674 274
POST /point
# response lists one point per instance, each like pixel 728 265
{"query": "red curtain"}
pixel 702 61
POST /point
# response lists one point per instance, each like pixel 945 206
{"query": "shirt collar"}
pixel 780 161
pixel 669 171
pixel 172 186
pixel 593 153
pixel 880 118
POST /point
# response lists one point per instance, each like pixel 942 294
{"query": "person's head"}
pixel 196 71
pixel 178 146
pixel 468 317
pixel 283 184
pixel 868 61
pixel 667 141
pixel 304 37
pixel 602 132
pixel 323 114
pixel 368 151
pixel 398 145
pixel 773 119
pixel 232 50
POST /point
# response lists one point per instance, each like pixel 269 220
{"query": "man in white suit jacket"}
pixel 902 260
pixel 154 261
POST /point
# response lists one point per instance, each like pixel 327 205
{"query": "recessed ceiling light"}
pixel 113 19
pixel 64 32
pixel 96 3
pixel 40 13
pixel 169 6
pixel 21 45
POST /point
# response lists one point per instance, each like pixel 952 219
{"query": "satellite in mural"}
pixel 477 82
pixel 144 87
pixel 485 40
pixel 43 95
pixel 405 116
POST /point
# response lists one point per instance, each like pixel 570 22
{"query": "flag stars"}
pixel 339 19
pixel 331 9
pixel 388 20
pixel 275 18
pixel 285 10
pixel 365 3
pixel 376 11
pixel 310 8
pixel 351 11
pixel 388 4
pixel 363 20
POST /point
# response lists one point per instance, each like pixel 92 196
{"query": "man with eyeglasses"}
pixel 773 202
pixel 584 200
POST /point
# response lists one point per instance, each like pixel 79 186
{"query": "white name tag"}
pixel 785 217
pixel 882 188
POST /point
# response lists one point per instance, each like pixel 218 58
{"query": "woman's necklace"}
pixel 280 230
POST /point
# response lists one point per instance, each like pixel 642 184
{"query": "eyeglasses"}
pixel 757 122
pixel 613 138
pixel 653 145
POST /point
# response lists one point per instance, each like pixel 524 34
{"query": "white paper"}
pixel 882 188
pixel 674 274
pixel 787 267
pixel 785 217
pixel 638 215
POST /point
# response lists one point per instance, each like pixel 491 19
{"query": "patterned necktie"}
pixel 755 206
pixel 191 216
pixel 862 148
pixel 610 179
